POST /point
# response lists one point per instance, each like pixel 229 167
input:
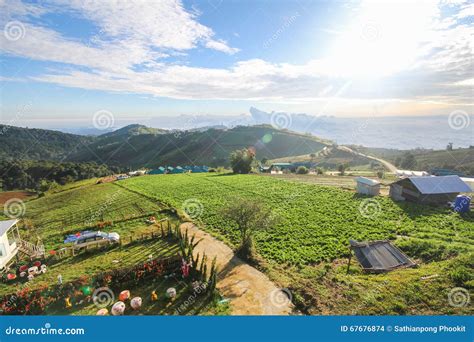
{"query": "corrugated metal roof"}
pixel 439 185
pixel 5 225
pixel 379 256
pixel 367 181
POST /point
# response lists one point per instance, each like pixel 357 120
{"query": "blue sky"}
pixel 62 61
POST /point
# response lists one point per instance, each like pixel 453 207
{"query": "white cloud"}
pixel 221 45
pixel 423 55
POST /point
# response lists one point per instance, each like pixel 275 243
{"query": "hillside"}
pixel 329 158
pixel 32 143
pixel 141 146
pixel 461 159
pixel 211 147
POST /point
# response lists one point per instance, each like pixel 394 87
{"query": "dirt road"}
pixel 390 167
pixel 250 291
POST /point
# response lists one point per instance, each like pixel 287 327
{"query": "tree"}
pixel 241 160
pixel 264 161
pixel 449 147
pixel 408 161
pixel 319 171
pixel 302 170
pixel 249 216
pixel 342 169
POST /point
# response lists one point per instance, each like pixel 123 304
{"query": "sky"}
pixel 64 61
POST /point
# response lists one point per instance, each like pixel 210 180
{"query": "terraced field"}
pixel 316 222
pixel 57 214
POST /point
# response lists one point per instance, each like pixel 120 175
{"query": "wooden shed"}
pixel 367 186
pixel 428 190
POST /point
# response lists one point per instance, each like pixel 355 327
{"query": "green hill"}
pixel 141 146
pixel 31 143
pixel 211 147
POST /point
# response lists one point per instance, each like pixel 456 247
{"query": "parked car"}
pixel 96 238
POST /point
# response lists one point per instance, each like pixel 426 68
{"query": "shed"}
pixel 428 190
pixel 367 186
pixel 379 256
pixel 8 241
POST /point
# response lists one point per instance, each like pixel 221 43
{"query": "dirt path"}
pixel 250 291
pixel 388 165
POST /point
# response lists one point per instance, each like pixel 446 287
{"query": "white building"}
pixel 8 241
pixel 410 173
pixel 367 186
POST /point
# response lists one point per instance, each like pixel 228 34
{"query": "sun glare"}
pixel 384 38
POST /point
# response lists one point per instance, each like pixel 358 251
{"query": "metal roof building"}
pixel 428 190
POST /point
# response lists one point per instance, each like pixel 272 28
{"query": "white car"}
pixel 96 238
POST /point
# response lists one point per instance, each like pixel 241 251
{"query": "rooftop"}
pixel 5 225
pixel 439 185
pixel 379 256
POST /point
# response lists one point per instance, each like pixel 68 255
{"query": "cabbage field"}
pixel 316 222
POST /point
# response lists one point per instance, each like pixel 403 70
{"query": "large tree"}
pixel 249 216
pixel 241 160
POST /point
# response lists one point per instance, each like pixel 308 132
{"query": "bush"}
pixel 302 170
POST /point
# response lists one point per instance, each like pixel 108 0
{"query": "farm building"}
pixel 379 256
pixel 158 171
pixel 428 190
pixel 367 186
pixel 410 173
pixel 8 246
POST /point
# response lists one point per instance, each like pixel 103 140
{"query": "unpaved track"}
pixel 250 291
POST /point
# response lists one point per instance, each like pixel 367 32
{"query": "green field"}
pixel 306 251
pixel 316 222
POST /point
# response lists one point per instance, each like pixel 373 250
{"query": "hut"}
pixel 428 190
pixel 367 186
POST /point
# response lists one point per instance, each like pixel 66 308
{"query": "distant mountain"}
pixel 134 129
pixel 32 143
pixel 211 147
